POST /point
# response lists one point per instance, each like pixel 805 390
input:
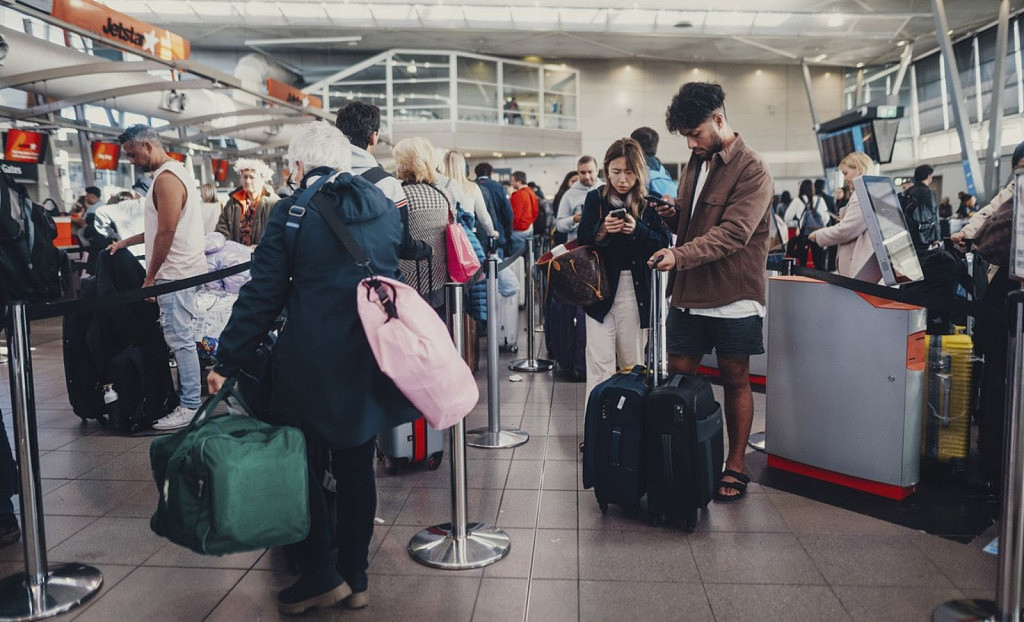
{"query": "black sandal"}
pixel 740 485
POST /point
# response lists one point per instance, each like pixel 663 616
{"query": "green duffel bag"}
pixel 230 483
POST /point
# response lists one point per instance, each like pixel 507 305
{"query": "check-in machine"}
pixel 847 370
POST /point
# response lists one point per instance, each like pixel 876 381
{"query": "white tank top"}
pixel 186 256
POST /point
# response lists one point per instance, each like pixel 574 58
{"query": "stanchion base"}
pixel 531 365
pixel 966 610
pixel 67 586
pixel 505 438
pixel 756 441
pixel 437 547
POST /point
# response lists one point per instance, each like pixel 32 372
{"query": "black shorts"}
pixel 689 334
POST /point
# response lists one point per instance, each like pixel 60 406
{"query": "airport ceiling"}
pixel 824 32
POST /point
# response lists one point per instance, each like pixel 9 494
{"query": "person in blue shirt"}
pixel 659 182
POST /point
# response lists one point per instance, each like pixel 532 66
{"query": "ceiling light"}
pixel 303 40
pixel 819 58
pixel 543 154
pixel 468 154
pixel 860 65
pixel 522 153
pixel 496 154
pixel 412 68
pixel 758 72
pixel 629 68
pixel 900 43
pixel 828 74
pixel 950 32
pixel 835 20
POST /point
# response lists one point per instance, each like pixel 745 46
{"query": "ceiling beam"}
pixel 244 126
pixel 95 96
pixel 194 121
pixel 73 71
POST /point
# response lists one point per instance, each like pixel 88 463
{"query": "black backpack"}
pixel 811 219
pixel 922 217
pixel 30 265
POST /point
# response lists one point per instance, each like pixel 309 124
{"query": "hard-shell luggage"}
pixel 683 443
pixel 947 418
pixel 613 438
pixel 565 334
pixel 410 443
pixel 508 323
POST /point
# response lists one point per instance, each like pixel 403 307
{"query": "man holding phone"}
pixel 718 261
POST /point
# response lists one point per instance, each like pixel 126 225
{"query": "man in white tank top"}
pixel 174 241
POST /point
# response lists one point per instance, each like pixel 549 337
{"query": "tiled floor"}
pixel 772 556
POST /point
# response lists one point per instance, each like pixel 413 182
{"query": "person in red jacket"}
pixel 525 207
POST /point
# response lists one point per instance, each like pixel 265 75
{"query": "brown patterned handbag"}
pixel 576 277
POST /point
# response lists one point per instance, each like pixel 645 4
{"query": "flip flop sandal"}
pixel 740 486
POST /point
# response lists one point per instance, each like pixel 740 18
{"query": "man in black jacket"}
pixel 498 206
pixel 921 209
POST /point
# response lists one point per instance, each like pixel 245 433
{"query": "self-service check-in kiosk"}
pixel 847 370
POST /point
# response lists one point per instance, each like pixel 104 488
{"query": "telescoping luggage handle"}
pixel 655 359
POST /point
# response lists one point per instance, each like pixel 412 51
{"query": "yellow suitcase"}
pixel 947 418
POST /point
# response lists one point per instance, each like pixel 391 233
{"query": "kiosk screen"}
pixel 895 259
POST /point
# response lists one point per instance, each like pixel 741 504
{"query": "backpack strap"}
pixel 298 210
pixel 375 174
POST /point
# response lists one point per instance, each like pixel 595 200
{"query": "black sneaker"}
pixel 312 592
pixel 10 532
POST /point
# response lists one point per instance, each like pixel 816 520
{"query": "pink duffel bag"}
pixel 413 348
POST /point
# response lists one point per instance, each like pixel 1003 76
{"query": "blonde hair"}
pixel 208 192
pixel 631 150
pixel 857 160
pixel 414 160
pixel 454 167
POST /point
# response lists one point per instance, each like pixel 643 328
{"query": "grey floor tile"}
pixel 616 600
pixel 969 568
pixel 255 598
pixel 57 530
pixel 651 555
pixel 427 506
pixel 893 604
pixel 525 475
pixel 563 448
pixel 557 509
pixel 617 518
pixel 110 540
pixel 872 561
pixel 519 561
pixel 487 473
pixel 501 600
pixel 776 603
pixel 56 438
pixel 452 597
pixel 91 497
pixel 71 464
pixel 171 595
pixel 804 515
pixel 140 505
pixel 534 426
pixel 179 557
pixel 127 466
pixel 562 426
pixel 519 509
pixel 774 558
pixel 552 600
pixel 754 512
pixel 107 441
pixel 555 554
pixel 534 449
pixel 561 475
pixel 390 502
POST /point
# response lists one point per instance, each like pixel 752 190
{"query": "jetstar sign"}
pixel 115 26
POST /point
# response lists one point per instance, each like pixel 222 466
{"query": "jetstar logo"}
pixel 125 33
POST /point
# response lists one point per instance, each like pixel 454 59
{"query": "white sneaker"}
pixel 177 418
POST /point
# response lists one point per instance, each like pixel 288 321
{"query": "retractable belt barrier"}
pixel 952 304
pixel 481 274
pixel 40 311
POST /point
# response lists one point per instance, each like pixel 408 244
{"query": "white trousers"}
pixel 618 341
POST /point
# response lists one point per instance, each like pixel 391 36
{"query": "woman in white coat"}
pixel 851 233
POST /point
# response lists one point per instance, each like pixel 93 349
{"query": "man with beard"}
pixel 173 236
pixel 570 208
pixel 718 291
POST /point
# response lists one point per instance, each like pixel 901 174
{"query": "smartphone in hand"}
pixel 618 213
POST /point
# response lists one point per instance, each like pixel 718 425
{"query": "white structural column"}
pixel 972 170
pixel 995 115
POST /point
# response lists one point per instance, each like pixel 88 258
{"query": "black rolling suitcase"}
pixel 81 372
pixel 613 463
pixel 684 447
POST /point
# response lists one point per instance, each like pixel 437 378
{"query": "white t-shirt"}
pixel 186 257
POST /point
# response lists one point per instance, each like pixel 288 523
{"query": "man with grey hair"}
pixel 173 235
pixel 326 380
pixel 244 215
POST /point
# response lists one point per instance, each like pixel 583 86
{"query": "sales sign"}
pixel 110 24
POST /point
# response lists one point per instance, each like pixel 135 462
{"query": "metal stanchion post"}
pixel 494 436
pixel 458 545
pixel 38 592
pixel 530 363
pixel 1006 608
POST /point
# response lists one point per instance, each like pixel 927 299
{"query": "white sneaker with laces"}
pixel 177 418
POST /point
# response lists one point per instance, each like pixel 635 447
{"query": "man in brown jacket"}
pixel 718 261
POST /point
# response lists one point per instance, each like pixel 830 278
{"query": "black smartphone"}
pixel 618 213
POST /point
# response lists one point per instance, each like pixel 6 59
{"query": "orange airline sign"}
pixel 174 155
pixel 115 26
pixel 23 146
pixel 280 90
pixel 105 155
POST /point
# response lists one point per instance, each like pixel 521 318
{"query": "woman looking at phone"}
pixel 617 221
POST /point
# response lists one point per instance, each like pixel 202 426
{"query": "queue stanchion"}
pixel 530 363
pixel 39 592
pixel 1007 606
pixel 458 545
pixel 494 436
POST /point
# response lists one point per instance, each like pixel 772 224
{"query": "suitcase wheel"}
pixel 390 466
pixel 658 520
pixel 690 522
pixel 604 507
pixel 434 462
